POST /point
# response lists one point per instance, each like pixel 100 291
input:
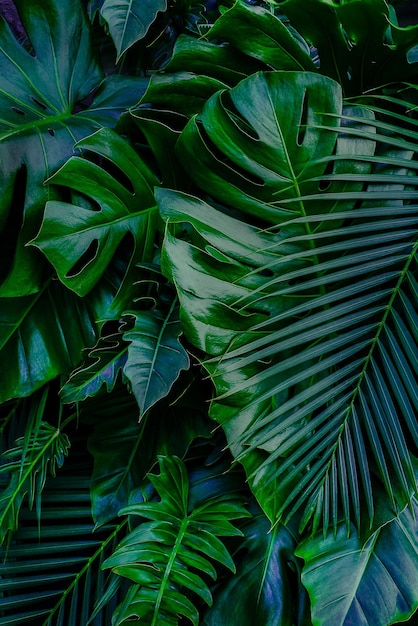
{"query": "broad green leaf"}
pixel 42 114
pixel 155 355
pixel 166 557
pixel 372 584
pixel 292 276
pixel 358 41
pixel 129 20
pixel 80 241
pixel 256 32
pixel 41 336
pixel 263 590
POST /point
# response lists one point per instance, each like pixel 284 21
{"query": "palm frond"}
pixel 51 576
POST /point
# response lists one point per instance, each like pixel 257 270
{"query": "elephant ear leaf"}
pixel 129 20
pixel 155 355
pixel 43 111
pixel 79 240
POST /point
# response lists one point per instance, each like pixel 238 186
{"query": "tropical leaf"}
pixel 41 336
pixel 102 367
pixel 51 575
pixel 256 32
pixel 266 588
pixel 43 89
pixel 373 583
pixel 24 467
pixel 123 455
pixel 80 241
pixel 155 354
pixel 166 556
pixel 359 43
pixel 129 20
pixel 302 290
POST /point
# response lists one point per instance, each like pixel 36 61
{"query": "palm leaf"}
pixel 302 290
pixel 166 556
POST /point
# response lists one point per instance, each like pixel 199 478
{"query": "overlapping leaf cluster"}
pixel 208 228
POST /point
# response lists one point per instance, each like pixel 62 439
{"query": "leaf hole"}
pixel 112 169
pixel 235 167
pixel 303 120
pixel 18 111
pixel 87 257
pixel 41 105
pixel 51 132
pixel 237 117
pixel 268 273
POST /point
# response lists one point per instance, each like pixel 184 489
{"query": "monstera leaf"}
pixel 80 241
pixel 42 92
pixel 302 290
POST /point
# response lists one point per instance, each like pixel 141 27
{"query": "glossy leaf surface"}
pixel 41 336
pixel 42 90
pixel 372 584
pixel 266 588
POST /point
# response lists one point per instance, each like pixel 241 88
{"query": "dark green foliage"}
pixel 208 313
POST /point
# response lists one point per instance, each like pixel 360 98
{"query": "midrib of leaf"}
pixel 84 569
pixel 56 73
pixel 272 539
pixel 61 118
pixel 128 216
pixel 295 183
pixel 26 474
pixel 171 560
pixel 125 24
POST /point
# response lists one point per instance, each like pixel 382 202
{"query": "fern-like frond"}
pixel 39 451
pixel 170 557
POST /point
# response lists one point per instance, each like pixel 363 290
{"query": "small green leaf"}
pixel 129 20
pixel 155 355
